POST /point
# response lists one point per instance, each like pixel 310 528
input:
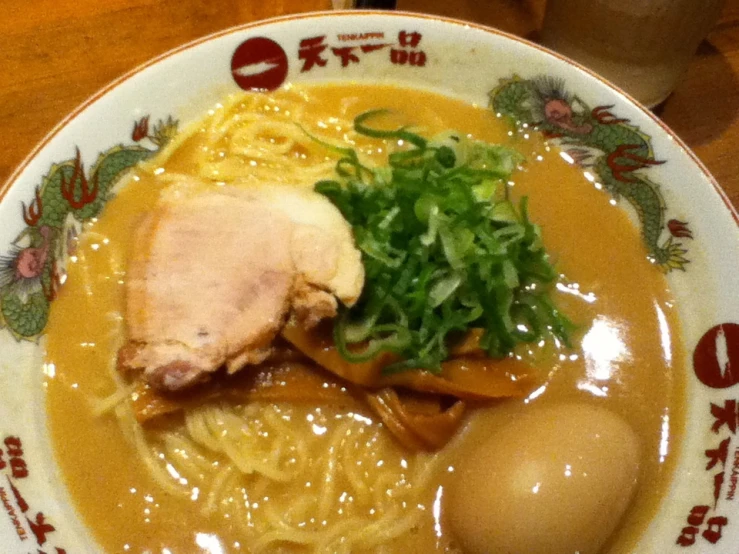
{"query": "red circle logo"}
pixel 259 64
pixel 716 357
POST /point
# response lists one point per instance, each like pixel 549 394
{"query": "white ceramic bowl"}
pixel 696 224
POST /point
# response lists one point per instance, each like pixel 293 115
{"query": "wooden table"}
pixel 56 53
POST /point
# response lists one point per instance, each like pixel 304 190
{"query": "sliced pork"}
pixel 216 272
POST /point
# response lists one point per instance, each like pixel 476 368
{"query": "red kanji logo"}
pixel 718 482
pixel 367 48
pixel 22 504
pixel 695 520
pixel 712 533
pixel 412 39
pixel 398 57
pixel 402 57
pixel 414 57
pixel 15 446
pixel 40 528
pixel 259 63
pixel 346 53
pixel 718 454
pixel 19 468
pixel 715 528
pixel 687 536
pixel 417 58
pixel 716 356
pixel 725 415
pixel 15 454
pixel 310 52
pixel 698 515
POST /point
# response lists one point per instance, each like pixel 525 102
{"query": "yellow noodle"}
pixel 299 507
pixel 198 429
pixel 329 478
pixel 279 524
pixel 109 403
pixel 385 529
pixel 186 454
pixel 298 536
pixel 216 492
pixel 350 463
pixel 291 480
pixel 144 450
pixel 240 512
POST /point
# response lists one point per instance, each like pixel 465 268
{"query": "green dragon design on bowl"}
pixel 615 154
pixel 32 271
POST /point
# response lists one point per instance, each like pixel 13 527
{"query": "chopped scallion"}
pixel 444 250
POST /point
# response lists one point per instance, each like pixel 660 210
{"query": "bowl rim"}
pixel 6 185
pixel 447 25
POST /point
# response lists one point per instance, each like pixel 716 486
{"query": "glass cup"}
pixel 643 46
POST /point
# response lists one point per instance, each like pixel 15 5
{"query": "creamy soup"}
pixel 262 477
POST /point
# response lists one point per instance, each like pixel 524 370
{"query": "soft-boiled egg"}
pixel 553 480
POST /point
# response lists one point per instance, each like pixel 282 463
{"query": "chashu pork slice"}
pixel 215 273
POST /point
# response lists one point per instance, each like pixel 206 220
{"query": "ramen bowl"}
pixel 686 229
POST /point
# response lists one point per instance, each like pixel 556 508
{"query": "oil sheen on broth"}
pixel 628 357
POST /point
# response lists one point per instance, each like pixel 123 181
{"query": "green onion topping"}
pixel 444 251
